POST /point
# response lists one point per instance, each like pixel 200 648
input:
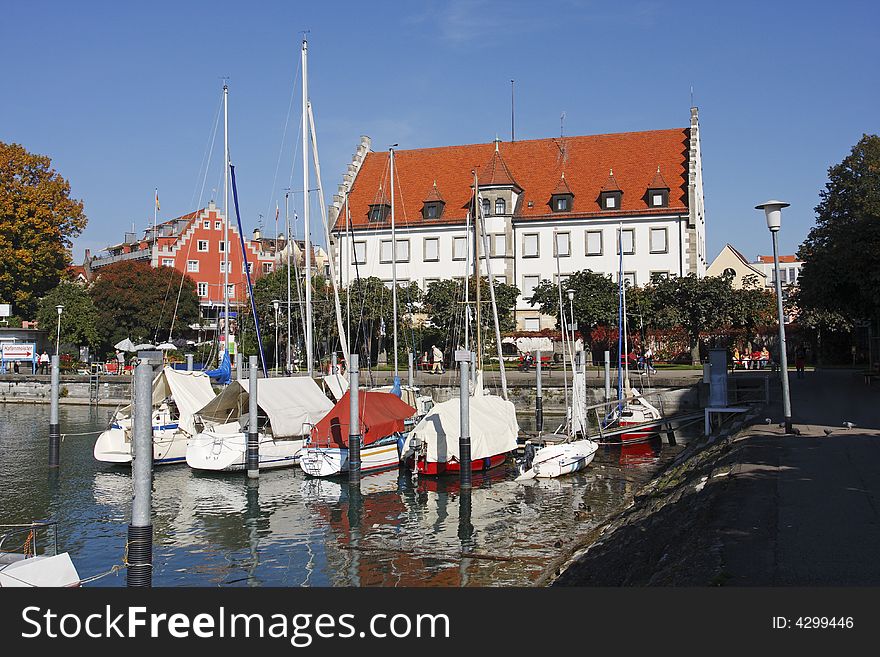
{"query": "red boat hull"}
pixel 643 434
pixel 434 468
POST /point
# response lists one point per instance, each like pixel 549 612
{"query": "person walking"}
pixel 649 360
pixel 120 362
pixel 438 360
pixel 44 362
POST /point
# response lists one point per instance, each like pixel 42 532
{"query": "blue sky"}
pixel 123 96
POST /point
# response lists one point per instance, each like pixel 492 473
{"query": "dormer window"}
pixel 432 210
pixel 379 212
pixel 500 206
pixel 657 195
pixel 561 202
pixel 610 200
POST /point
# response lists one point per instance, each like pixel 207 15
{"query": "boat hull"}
pixel 169 445
pixel 332 461
pixel 437 468
pixel 558 460
pixel 227 452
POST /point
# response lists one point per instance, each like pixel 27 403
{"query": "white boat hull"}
pixel 331 461
pixel 169 445
pixel 54 571
pixel 227 452
pixel 560 459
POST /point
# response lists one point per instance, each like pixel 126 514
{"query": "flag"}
pixel 157 200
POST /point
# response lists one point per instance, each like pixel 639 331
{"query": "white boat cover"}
pixel 293 404
pixel 493 429
pixel 526 345
pixel 337 384
pixel 191 391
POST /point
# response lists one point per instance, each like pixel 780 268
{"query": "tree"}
pixel 596 300
pixel 78 319
pixel 840 279
pixel 752 307
pixel 134 300
pixel 694 304
pixel 38 220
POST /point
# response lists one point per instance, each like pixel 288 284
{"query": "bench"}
pixel 546 364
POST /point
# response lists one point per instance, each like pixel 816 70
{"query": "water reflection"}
pixel 286 530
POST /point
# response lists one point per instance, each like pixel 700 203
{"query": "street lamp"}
pixel 773 213
pixel 60 309
pixel 570 293
pixel 276 304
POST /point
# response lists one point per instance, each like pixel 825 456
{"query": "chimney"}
pixel 257 235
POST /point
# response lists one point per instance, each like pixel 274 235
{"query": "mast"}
pixel 226 217
pixel 347 270
pixel 308 242
pixel 564 333
pixel 477 212
pixel 155 229
pixel 289 248
pixel 393 264
pixel 623 312
pixel 467 275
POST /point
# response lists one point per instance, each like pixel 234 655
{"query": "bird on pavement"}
pixel 849 425
pixel 781 425
pixel 796 431
pixel 767 420
pixel 828 432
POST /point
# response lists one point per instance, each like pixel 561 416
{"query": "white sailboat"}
pixel 30 565
pixel 176 398
pixel 288 408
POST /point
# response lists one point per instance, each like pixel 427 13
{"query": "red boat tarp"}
pixel 381 414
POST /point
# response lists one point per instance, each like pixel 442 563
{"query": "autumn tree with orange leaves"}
pixel 38 221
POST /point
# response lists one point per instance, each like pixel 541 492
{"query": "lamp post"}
pixel 276 304
pixel 571 326
pixel 773 214
pixel 60 309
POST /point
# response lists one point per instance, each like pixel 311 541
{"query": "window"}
pixel 206 225
pixel 388 283
pixel 729 271
pixel 485 207
pixel 223 267
pixel 379 212
pixel 500 206
pixel 360 253
pixel 561 277
pixel 530 245
pixel 222 246
pixel 428 282
pixel 459 248
pixel 402 251
pixel 500 279
pixel 250 268
pixel 432 210
pixel 192 265
pixel 628 238
pixel 385 251
pixel 203 246
pixel 203 289
pixel 629 278
pixel 561 202
pixel 532 324
pixel 167 262
pixel 791 274
pixel 230 290
pixel 562 245
pixel 218 225
pixel 658 240
pixel 657 200
pixel 782 276
pixel 659 275
pixel 432 249
pixel 593 242
pixel 610 200
pixel 530 282
pixel 499 245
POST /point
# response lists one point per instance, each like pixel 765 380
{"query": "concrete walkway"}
pixel 805 510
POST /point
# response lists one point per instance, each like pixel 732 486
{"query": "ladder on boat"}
pixel 94 386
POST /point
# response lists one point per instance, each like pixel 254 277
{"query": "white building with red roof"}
pixel 549 205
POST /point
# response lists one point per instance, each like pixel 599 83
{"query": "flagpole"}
pixel 226 218
pixel 308 239
pixel 288 247
pixel 155 230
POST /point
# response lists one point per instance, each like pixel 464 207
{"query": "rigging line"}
pixel 206 157
pixel 284 136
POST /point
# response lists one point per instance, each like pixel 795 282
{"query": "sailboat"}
pixel 432 446
pixel 558 454
pixel 632 408
pixel 176 398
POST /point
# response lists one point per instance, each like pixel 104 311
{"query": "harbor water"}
pixel 288 530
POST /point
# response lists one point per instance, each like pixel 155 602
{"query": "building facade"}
pixel 550 207
pixel 731 262
pixel 789 269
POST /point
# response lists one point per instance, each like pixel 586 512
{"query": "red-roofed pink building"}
pixel 544 201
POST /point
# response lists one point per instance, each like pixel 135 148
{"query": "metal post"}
pixel 238 366
pixel 189 362
pixel 253 436
pixel 783 357
pixel 54 430
pixel 354 423
pixel 607 376
pixel 411 380
pixel 333 363
pixel 140 531
pixel 463 358
pixel 539 398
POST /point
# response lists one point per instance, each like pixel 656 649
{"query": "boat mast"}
pixel 477 269
pixel 623 305
pixel 226 218
pixel 289 248
pixel 308 243
pixel 393 264
pixel 467 275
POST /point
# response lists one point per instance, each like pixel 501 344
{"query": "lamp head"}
pixel 570 294
pixel 59 308
pixel 773 213
pixel 275 304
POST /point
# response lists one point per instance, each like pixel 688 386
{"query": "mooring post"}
pixel 607 376
pixel 140 531
pixel 354 423
pixel 253 437
pixel 463 357
pixel 411 380
pixel 54 427
pixel 238 366
pixel 539 398
pixel 333 369
pixel 189 362
pixel 670 434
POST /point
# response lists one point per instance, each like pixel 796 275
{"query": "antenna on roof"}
pixel 512 133
pixel 562 125
pixel 692 95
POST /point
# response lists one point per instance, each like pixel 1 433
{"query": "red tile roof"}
pixel 536 166
pixel 562 186
pixel 768 260
pixel 658 182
